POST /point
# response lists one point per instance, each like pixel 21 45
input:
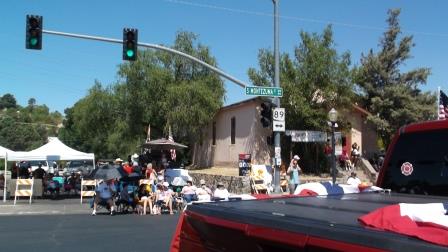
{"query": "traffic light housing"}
pixel 130 44
pixel 266 114
pixel 34 27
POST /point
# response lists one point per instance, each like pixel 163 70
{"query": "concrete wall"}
pixel 234 184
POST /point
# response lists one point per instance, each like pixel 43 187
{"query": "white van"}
pixel 35 164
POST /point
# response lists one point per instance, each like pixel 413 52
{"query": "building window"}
pixel 232 130
pixel 214 133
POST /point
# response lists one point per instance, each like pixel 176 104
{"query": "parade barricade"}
pixel 20 183
pixel 90 183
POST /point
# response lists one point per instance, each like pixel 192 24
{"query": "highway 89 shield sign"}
pixel 278 122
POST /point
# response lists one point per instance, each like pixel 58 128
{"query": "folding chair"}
pixel 258 179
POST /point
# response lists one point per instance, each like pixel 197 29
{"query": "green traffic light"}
pixel 33 41
pixel 130 53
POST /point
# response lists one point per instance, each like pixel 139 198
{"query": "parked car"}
pixel 83 166
pixel 35 164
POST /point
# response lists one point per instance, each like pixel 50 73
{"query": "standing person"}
pixel 39 173
pixel 151 175
pixel 355 154
pixel 293 172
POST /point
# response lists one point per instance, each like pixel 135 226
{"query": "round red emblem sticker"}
pixel 407 169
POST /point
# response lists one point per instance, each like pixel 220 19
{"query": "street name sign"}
pixel 264 91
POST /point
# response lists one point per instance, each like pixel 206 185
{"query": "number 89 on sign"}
pixel 278 114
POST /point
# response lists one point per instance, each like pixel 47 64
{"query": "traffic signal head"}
pixel 130 41
pixel 266 114
pixel 34 27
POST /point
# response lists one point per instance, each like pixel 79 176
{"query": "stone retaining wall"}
pixel 234 184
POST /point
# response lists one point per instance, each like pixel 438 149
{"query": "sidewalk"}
pixel 45 207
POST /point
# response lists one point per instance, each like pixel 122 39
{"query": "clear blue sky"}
pixel 235 30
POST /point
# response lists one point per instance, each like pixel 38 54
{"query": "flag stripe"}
pixel 428 222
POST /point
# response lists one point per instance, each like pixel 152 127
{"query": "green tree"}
pixel 8 101
pixel 158 89
pixel 391 95
pixel 314 80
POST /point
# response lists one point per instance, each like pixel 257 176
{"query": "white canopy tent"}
pixel 4 152
pixel 54 150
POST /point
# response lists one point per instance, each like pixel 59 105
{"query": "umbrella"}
pixel 164 144
pixel 107 172
pixel 132 177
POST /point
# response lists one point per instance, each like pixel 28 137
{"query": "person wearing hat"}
pixel 118 161
pixel 221 192
pixel 293 172
pixel 164 197
pixel 353 180
pixel 189 191
pixel 204 193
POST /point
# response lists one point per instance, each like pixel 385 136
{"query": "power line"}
pixel 308 20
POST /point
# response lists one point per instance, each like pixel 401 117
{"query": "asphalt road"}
pixel 83 232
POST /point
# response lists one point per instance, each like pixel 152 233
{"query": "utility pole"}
pixel 276 99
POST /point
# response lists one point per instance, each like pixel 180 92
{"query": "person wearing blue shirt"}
pixel 293 172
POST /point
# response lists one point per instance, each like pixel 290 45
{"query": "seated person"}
pixel 189 191
pixel 144 197
pixel 103 196
pixel 204 193
pixel 125 198
pixel 221 192
pixel 164 197
pixel 353 180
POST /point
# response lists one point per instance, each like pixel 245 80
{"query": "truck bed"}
pixel 329 218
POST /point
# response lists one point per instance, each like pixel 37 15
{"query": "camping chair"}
pixel 259 179
pixel 89 183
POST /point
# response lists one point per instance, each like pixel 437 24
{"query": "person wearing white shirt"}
pixel 164 196
pixel 353 180
pixel 221 192
pixel 189 191
pixel 204 193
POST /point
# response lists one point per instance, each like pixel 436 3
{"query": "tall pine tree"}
pixel 392 96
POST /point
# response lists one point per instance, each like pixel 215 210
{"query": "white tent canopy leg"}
pixel 4 181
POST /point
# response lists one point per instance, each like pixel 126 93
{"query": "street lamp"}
pixel 333 117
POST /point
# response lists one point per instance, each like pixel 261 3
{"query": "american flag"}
pixel 443 106
pixel 172 151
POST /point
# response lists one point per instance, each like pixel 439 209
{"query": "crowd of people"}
pixel 151 193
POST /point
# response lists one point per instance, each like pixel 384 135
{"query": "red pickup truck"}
pixel 415 169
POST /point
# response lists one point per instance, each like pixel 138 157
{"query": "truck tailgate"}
pixel 323 218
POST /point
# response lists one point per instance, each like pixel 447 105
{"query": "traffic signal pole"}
pixel 276 99
pixel 153 46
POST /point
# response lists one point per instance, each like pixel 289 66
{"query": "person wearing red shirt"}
pixel 127 168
